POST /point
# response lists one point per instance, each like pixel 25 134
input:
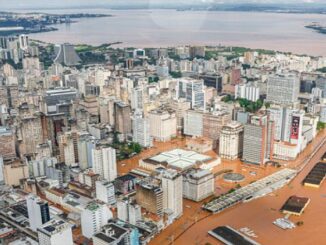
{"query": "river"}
pixel 162 28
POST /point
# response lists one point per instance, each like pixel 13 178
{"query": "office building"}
pixel 23 42
pixel 193 91
pixel 193 123
pixel 198 184
pixel 162 124
pixel 114 234
pixel 104 162
pixel 7 143
pixel 105 192
pixel 213 124
pixel 141 130
pixel 38 212
pixel 283 89
pixel 172 192
pixel 129 211
pixel 149 195
pixel 231 141
pixel 122 118
pixel 55 232
pixel 94 216
pixel 258 140
pixel 247 91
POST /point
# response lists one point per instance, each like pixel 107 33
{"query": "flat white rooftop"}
pixel 179 158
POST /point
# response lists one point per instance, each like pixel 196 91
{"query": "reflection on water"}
pixel 161 28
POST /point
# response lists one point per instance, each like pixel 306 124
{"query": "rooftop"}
pixel 179 158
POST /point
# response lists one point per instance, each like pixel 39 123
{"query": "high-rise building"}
pixel 94 217
pixel 321 84
pixel 104 162
pixel 141 131
pixel 122 115
pixel 112 234
pixel 67 149
pixel 213 124
pixel 7 143
pixel 137 98
pixel 258 140
pixel 180 107
pixel 247 91
pixel 231 141
pixel 128 211
pixel 58 101
pixel 193 91
pixel 193 123
pixel 105 192
pixel 30 134
pixel 198 184
pixel 14 171
pixel 55 232
pixel 23 42
pixel 162 124
pixel 38 212
pixel 172 192
pixel 283 89
pixel 149 195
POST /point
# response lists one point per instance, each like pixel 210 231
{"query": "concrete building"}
pixel 231 141
pixel 122 118
pixel 38 212
pixel 94 216
pixel 149 195
pixel 258 140
pixel 114 234
pixel 172 192
pixel 247 91
pixel 141 130
pixel 283 89
pixel 67 149
pixel 55 232
pixel 198 184
pixel 181 107
pixel 104 162
pixel 66 55
pixel 162 124
pixel 193 123
pixel 7 143
pixel 14 171
pixel 105 192
pixel 193 91
pixel 129 211
pixel 213 124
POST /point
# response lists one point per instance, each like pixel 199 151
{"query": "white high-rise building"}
pixel 172 192
pixel 55 232
pixel 231 141
pixel 93 217
pixel 23 42
pixel 193 123
pixel 128 211
pixel 283 89
pixel 38 211
pixel 105 192
pixel 193 91
pixel 137 98
pixel 162 124
pixel 141 131
pixel 247 91
pixel 105 163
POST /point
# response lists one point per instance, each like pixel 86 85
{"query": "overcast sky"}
pixel 5 4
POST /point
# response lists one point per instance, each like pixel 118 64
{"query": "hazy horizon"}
pixel 21 4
